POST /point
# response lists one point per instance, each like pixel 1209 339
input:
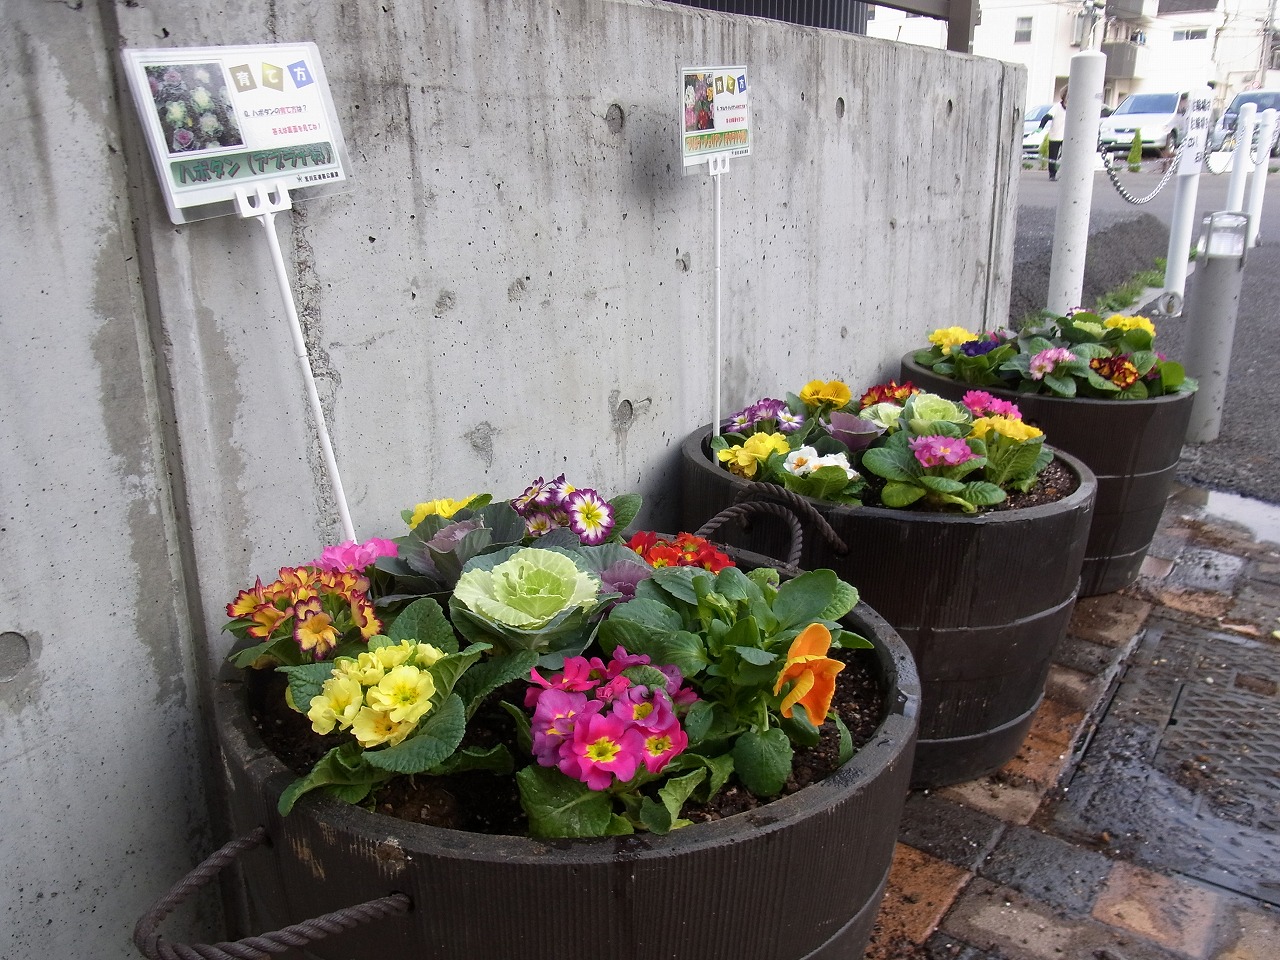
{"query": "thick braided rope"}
pixel 758 506
pixel 772 491
pixel 155 947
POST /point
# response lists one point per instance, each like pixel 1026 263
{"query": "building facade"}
pixel 1151 45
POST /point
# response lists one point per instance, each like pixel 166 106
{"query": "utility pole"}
pixel 1267 28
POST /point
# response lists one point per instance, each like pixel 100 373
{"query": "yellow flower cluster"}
pixel 1130 323
pixel 379 696
pixel 444 508
pixel 744 459
pixel 1005 427
pixel 948 337
pixel 832 394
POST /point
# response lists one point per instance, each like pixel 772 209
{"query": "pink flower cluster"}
pixel 937 451
pixel 597 726
pixel 354 556
pixel 982 404
pixel 1044 361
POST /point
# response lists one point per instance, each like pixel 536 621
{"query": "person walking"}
pixel 1056 119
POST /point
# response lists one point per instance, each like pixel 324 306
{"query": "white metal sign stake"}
pixel 717 166
pixel 232 130
pixel 715 124
pixel 263 204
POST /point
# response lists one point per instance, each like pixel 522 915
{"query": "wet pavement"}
pixel 1141 819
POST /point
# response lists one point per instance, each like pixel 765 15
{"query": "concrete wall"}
pixel 518 283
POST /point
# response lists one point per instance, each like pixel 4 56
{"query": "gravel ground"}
pixel 1125 239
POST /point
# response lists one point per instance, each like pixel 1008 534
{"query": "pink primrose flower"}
pixel 354 556
pixel 576 676
pixel 604 747
pixel 937 451
pixel 1044 361
pixel 982 404
pixel 661 745
pixel 554 720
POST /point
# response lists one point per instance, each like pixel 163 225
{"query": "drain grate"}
pixel 1224 745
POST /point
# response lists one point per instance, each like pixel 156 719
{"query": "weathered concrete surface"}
pixel 519 282
pixel 99 775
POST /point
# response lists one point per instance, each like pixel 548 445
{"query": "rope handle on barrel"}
pixel 739 510
pixel 155 947
pixel 775 500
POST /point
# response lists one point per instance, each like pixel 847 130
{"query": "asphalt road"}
pixel 1245 459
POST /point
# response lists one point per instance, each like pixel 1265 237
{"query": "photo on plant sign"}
pixel 194 107
pixel 699 95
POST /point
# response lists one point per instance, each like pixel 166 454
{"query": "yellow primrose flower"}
pixel 832 393
pixel 1013 429
pixel 440 508
pixel 374 727
pixel 948 337
pixel 391 657
pixel 1130 323
pixel 339 701
pixel 404 693
pixel 744 459
pixel 366 669
pixel 426 654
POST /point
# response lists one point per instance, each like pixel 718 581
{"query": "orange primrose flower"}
pixel 814 674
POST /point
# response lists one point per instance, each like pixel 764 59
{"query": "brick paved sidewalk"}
pixel 1140 819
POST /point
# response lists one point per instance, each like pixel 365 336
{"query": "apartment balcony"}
pixel 1123 59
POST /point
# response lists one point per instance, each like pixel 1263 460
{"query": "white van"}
pixel 1162 118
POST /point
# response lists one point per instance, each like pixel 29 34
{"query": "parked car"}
pixel 1032 133
pixel 1226 125
pixel 1155 114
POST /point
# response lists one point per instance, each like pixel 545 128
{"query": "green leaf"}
pixel 306 682
pixel 678 581
pixel 674 793
pixel 488 675
pixel 524 735
pixel 437 736
pixel 763 761
pixel 846 740
pixel 755 655
pixel 892 463
pixel 1172 375
pixel 897 495
pixel 625 509
pixel 342 766
pixel 801 600
pixel 1059 385
pixel 247 657
pixel 799 730
pixel 685 650
pixel 424 622
pixel 982 494
pixel 447 671
pixel 561 807
pixel 940 484
pixel 496 759
pixel 845 599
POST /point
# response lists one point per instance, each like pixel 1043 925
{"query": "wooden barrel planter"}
pixel 1132 446
pixel 801 877
pixel 982 601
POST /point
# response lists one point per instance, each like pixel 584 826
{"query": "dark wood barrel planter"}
pixel 801 877
pixel 982 601
pixel 1132 446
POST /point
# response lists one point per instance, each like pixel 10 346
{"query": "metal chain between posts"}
pixel 155 947
pixel 1120 189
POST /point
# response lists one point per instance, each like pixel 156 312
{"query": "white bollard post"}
pixel 1186 186
pixel 1075 176
pixel 1212 308
pixel 1258 183
pixel 1240 165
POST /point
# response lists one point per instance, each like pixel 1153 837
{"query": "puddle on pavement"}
pixel 1260 518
